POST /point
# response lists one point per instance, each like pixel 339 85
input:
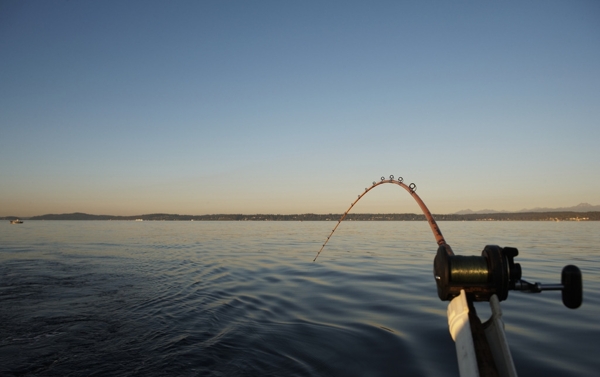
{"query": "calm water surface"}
pixel 83 298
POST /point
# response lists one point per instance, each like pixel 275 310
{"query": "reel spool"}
pixel 495 272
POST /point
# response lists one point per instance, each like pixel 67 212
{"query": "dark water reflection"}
pixel 245 299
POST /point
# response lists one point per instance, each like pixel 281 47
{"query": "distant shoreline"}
pixel 519 216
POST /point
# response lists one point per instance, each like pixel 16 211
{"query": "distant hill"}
pixel 563 213
pixel 581 207
pixel 497 216
pixel 74 216
pixel 482 211
pixel 234 217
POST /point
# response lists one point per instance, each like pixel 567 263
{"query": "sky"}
pixel 205 107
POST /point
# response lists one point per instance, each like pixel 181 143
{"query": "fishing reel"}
pixel 495 272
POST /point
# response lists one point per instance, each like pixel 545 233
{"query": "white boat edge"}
pixel 460 330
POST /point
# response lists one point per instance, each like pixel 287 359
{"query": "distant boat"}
pixel 16 221
pixel 139 219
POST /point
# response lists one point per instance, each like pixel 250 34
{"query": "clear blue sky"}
pixel 199 107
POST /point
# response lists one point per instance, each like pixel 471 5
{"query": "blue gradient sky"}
pixel 198 107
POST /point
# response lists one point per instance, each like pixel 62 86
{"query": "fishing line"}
pixel 412 188
pixel 468 270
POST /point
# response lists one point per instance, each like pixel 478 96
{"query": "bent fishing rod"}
pixel 482 349
pixel 412 189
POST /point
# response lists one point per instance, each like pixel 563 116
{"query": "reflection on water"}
pixel 244 298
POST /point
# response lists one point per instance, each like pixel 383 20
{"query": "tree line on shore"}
pixel 519 216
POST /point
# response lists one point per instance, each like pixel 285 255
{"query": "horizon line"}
pixel 473 213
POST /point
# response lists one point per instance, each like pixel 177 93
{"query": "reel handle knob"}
pixel 572 292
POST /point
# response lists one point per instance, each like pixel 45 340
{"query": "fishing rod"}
pixel 412 189
pixel 482 349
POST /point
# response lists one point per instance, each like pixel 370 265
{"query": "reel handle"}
pixel 572 292
pixel 571 287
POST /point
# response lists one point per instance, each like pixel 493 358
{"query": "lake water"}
pixel 83 298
